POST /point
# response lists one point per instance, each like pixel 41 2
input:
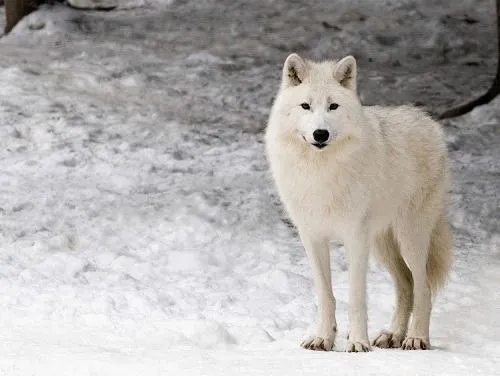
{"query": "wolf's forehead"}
pixel 322 68
pixel 321 73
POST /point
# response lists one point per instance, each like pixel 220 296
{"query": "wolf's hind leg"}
pixel 414 239
pixel 389 254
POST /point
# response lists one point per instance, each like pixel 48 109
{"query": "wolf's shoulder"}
pixel 397 113
pixel 402 119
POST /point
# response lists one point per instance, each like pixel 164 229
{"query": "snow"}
pixel 140 232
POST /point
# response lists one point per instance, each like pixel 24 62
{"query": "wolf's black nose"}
pixel 321 135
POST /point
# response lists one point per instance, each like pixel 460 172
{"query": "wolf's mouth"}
pixel 319 146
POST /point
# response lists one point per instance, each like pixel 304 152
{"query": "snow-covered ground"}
pixel 140 233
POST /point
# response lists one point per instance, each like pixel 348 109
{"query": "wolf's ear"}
pixel 345 72
pixel 294 70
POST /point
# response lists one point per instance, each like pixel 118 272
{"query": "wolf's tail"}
pixel 440 255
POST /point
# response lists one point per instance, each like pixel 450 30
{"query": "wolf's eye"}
pixel 333 106
pixel 305 106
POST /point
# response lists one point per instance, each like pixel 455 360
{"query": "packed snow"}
pixel 140 232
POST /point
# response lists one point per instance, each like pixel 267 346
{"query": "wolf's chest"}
pixel 311 193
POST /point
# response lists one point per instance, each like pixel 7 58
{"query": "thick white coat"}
pixel 381 182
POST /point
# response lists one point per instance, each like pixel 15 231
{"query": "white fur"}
pixel 381 182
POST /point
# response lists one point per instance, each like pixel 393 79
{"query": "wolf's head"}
pixel 317 104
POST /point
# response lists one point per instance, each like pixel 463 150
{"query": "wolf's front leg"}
pixel 318 254
pixel 357 253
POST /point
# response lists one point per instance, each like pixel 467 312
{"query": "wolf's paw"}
pixel 415 343
pixel 388 340
pixel 353 346
pixel 318 344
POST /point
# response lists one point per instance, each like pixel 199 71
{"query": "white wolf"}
pixel 373 177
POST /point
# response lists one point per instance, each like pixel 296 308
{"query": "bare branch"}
pixel 493 91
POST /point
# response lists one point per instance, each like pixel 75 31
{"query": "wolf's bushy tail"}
pixel 440 255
